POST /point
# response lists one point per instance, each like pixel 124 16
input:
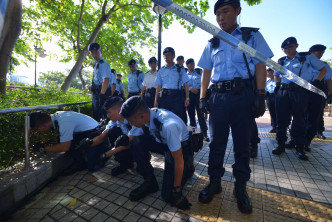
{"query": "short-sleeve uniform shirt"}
pixel 101 70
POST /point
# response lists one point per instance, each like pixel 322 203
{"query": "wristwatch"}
pixel 187 99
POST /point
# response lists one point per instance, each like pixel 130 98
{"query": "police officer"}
pixel 135 79
pixel 180 63
pixel 101 82
pixel 119 90
pixel 194 85
pixel 72 127
pixel 116 129
pixel 232 103
pixel 149 86
pixel 270 98
pixel 164 133
pixel 316 102
pixel 292 100
pixel 170 79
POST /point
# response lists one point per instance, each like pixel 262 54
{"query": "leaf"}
pixel 70 188
pixel 73 202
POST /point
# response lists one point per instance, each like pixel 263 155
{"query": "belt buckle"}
pixel 228 85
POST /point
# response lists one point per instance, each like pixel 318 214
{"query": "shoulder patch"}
pixel 281 61
pixel 199 71
pixel 215 42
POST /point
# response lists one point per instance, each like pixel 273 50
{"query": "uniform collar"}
pixel 237 31
pixel 295 57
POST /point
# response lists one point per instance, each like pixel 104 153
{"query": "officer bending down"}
pixel 72 127
pixel 233 102
pixel 163 133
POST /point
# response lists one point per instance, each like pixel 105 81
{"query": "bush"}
pixel 12 124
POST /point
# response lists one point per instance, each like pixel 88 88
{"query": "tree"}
pixel 10 33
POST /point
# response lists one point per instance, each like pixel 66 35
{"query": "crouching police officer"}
pixel 164 133
pixel 72 127
pixel 233 102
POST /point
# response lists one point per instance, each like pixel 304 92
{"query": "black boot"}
pixel 206 137
pixel 320 135
pixel 290 144
pixel 273 130
pixel 307 148
pixel 150 185
pixel 121 169
pixel 279 150
pixel 243 200
pixel 300 153
pixel 253 150
pixel 214 187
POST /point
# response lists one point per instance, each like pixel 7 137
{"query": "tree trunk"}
pixel 81 78
pixel 10 33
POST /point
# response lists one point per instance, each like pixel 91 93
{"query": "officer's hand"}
pixel 329 99
pixel 318 84
pixel 180 201
pixel 84 144
pixel 186 103
pixel 102 99
pixel 122 140
pixel 38 147
pixel 204 105
pixel 259 105
pixel 156 104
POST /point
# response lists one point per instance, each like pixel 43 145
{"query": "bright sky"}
pixel 310 21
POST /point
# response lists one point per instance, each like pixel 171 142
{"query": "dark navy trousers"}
pixel 228 110
pixel 291 103
pixel 143 145
pixel 149 98
pixel 174 104
pixel 97 109
pixel 125 158
pixel 194 106
pixel 254 139
pixel 271 104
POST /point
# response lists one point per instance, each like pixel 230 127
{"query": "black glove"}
pixel 329 99
pixel 180 201
pixel 38 147
pixel 318 84
pixel 276 89
pixel 102 99
pixel 84 144
pixel 259 105
pixel 122 140
pixel 204 105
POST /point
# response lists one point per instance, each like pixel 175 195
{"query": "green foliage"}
pixel 12 124
pixel 253 2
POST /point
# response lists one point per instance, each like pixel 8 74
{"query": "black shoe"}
pixel 243 200
pixel 214 187
pixel 320 136
pixel 300 153
pixel 150 185
pixel 290 144
pixel 206 137
pixel 273 130
pixel 120 169
pixel 307 148
pixel 253 150
pixel 279 150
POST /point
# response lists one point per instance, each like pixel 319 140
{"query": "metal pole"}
pixel 79 108
pixel 35 67
pixel 159 41
pixel 26 134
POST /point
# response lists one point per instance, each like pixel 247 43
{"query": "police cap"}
pixel 318 47
pixel 152 59
pixel 119 74
pixel 113 71
pixel 221 3
pixel 111 101
pixel 94 46
pixel 288 41
pixel 132 62
pixel 179 57
pixel 37 118
pixel 269 69
pixel 189 61
pixel 130 106
pixel 168 49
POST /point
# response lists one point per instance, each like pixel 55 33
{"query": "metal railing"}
pixel 29 87
pixel 27 120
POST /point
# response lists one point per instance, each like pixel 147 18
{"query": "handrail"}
pixel 27 120
pixel 27 87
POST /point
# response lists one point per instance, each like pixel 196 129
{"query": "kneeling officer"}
pixel 72 127
pixel 164 133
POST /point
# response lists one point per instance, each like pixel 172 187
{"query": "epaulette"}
pixel 199 71
pixel 281 61
pixel 215 42
pixel 246 32
pixel 303 56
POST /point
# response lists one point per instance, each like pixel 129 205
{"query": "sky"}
pixel 310 22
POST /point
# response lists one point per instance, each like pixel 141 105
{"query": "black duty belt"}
pixel 230 85
pixel 185 143
pixel 270 94
pixel 289 86
pixel 151 90
pixel 87 133
pixel 171 92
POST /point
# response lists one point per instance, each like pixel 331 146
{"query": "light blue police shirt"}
pixel 119 86
pixel 71 122
pixel 112 80
pixel 134 82
pixel 173 132
pixel 194 80
pixel 270 85
pixel 101 70
pixel 228 62
pixel 310 64
pixel 170 78
pixel 327 76
pixel 123 125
